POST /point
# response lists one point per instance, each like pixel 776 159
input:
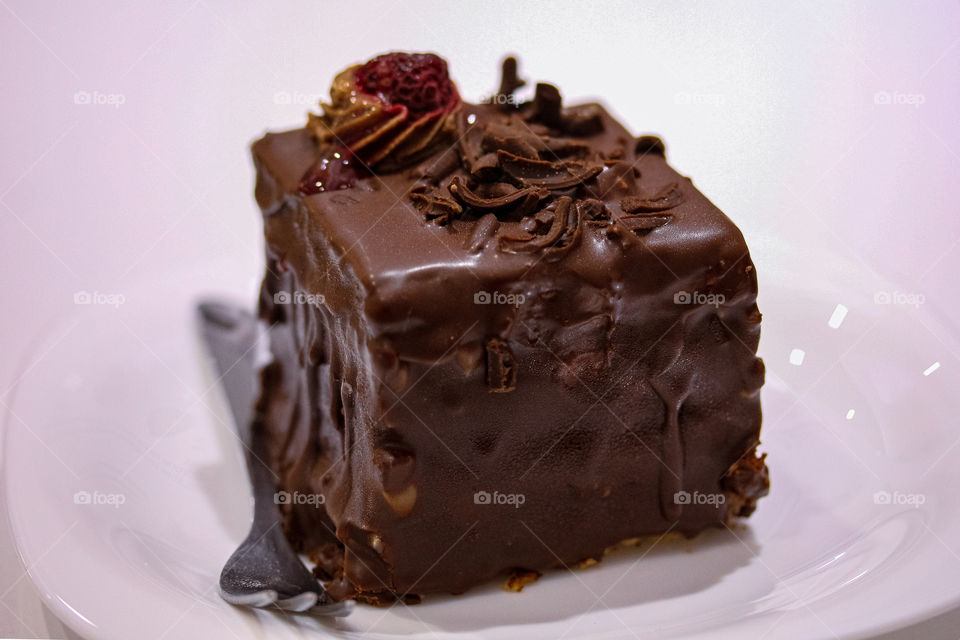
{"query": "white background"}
pixel 772 109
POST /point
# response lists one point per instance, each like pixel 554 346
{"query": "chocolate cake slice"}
pixel 506 336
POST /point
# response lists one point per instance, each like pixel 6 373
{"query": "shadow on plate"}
pixel 653 571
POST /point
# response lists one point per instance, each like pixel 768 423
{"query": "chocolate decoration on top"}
pixel 520 159
pixel 510 81
pixel 381 116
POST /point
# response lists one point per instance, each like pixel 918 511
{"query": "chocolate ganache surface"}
pixel 506 336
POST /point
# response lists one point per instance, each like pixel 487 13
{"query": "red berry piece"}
pixel 336 169
pixel 418 81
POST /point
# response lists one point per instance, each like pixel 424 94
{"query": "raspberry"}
pixel 418 81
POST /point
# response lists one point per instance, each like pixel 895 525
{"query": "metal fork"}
pixel 264 571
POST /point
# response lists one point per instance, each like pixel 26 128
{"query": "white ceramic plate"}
pixel 127 492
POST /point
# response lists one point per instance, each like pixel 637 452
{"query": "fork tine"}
pixel 256 599
pixel 336 610
pixel 299 602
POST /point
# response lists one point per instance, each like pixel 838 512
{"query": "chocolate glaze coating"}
pixel 588 382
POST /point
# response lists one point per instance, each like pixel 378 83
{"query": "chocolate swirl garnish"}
pixel 486 167
pixel 563 232
pixel 446 162
pixel 463 193
pixel 519 139
pixel 521 146
pixel 552 175
pixel 593 211
pixel 383 115
pixel 434 205
pixel 667 198
pixel 563 147
pixel 641 225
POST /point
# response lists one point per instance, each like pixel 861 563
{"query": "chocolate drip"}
pixel 673 385
pixel 671 463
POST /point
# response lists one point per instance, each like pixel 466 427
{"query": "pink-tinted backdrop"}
pixel 827 131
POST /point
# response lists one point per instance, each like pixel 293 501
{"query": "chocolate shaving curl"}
pixel 667 198
pixel 465 195
pixel 510 81
pixel 565 230
pixel 641 225
pixel 434 204
pixel 551 175
pixel 547 105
